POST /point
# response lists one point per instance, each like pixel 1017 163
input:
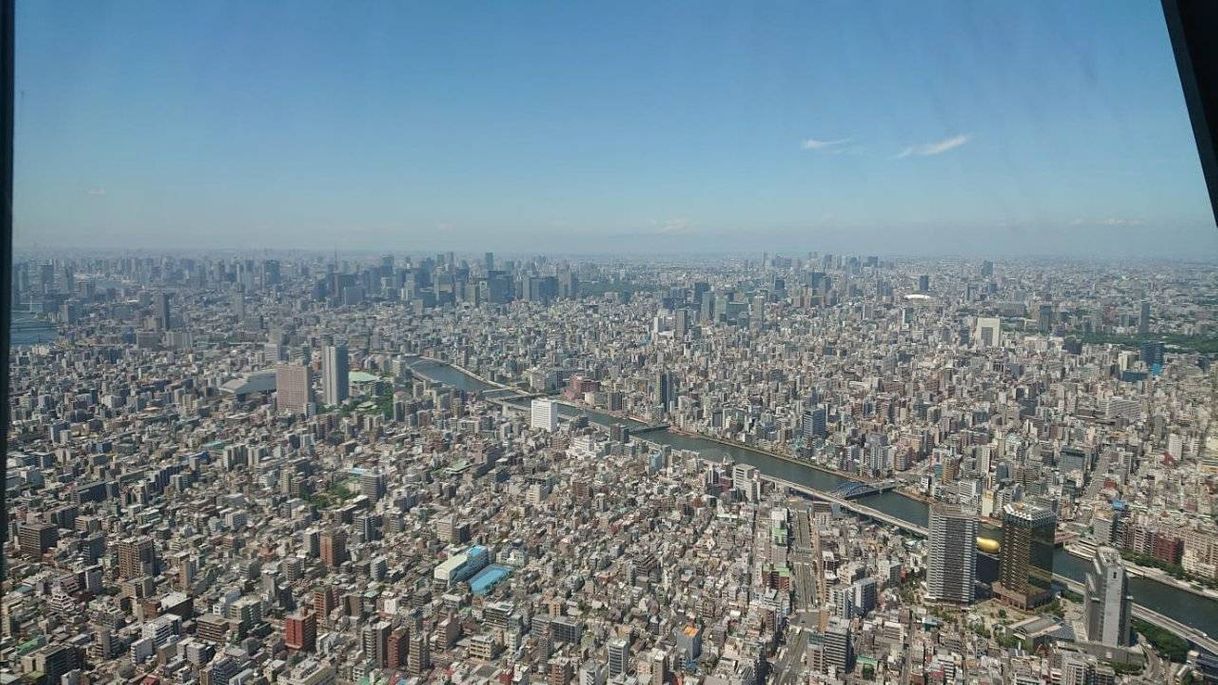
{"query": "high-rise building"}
pixel 36 538
pixel 1025 567
pixel 324 602
pixel 951 563
pixel 924 283
pixel 664 391
pixel 399 648
pixel 1144 318
pixel 374 640
pixel 1045 317
pixel 839 650
pixel 418 661
pixel 372 484
pixel 136 557
pixel 163 320
pixel 544 415
pixel 815 423
pixel 1106 600
pixel 300 631
pixel 333 548
pixel 988 332
pixel 238 303
pixel 293 388
pixel 334 374
pixel 618 650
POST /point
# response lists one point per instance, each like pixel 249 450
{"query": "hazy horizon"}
pixel 1001 131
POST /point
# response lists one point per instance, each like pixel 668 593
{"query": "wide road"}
pixel 803 564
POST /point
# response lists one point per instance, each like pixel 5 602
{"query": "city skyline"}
pixel 662 130
pixel 803 468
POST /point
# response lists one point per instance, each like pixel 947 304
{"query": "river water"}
pixel 1185 607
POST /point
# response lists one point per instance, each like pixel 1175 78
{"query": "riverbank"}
pixel 460 369
pixel 1086 551
pixel 769 453
pixel 578 406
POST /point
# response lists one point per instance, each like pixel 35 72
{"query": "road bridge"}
pixel 855 489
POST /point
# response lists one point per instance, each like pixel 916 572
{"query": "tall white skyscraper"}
pixel 1106 599
pixel 334 379
pixel 544 415
pixel 951 565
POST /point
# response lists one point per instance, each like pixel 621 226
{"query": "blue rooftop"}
pixel 488 578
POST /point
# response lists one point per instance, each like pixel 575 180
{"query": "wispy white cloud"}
pixel 1108 221
pixel 824 145
pixel 672 226
pixel 96 191
pixel 935 148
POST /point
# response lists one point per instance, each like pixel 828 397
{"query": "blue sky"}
pixel 892 127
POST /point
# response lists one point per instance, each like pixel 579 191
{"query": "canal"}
pixel 1185 607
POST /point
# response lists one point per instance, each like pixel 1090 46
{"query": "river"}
pixel 1185 607
pixel 27 329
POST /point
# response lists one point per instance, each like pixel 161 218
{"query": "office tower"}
pixel 136 558
pixel 924 283
pixel 544 415
pixel 1144 318
pixel 238 303
pixel 162 311
pixel 681 323
pixel 1106 599
pixel 333 547
pixel 1045 317
pixel 270 273
pixel 334 374
pixel 951 563
pixel 1151 353
pixel 300 631
pixel 815 423
pixel 866 595
pixel 664 391
pixel 293 388
pixel 1025 568
pixel 988 332
pixel 619 656
pixel 987 269
pixel 839 651
pixel 488 261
